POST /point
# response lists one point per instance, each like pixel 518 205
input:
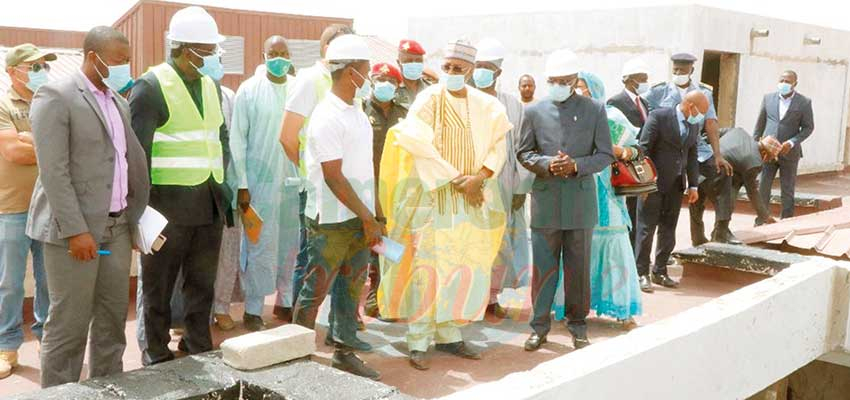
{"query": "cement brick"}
pixel 274 346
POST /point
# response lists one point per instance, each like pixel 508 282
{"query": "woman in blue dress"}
pixel 615 291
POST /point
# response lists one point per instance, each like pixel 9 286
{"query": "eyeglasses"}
pixel 454 69
pixel 37 67
pixel 204 53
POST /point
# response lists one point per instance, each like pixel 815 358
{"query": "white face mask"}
pixel 681 80
pixel 642 88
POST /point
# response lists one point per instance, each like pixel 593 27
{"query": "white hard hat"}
pixel 346 48
pixel 562 63
pixel 635 66
pixel 490 50
pixel 194 25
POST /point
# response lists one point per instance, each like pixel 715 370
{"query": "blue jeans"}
pixel 14 246
pixel 301 261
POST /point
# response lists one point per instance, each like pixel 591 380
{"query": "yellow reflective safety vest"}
pixel 187 150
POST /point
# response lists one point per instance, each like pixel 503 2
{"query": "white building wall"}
pixel 606 39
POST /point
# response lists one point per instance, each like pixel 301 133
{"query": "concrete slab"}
pixel 273 346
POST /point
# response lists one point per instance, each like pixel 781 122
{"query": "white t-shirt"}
pixel 338 131
pixel 302 97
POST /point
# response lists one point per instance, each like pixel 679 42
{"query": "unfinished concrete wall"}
pixel 606 39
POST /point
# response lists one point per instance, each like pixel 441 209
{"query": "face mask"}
pixel 118 75
pixel 212 66
pixel 696 119
pixel 559 93
pixel 364 89
pixel 384 91
pixel 681 80
pixel 36 79
pixel 453 82
pixel 784 88
pixel 412 71
pixel 278 66
pixel 642 88
pixel 483 78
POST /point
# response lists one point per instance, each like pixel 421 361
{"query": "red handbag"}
pixel 635 177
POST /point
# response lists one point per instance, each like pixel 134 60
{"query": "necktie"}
pixel 640 109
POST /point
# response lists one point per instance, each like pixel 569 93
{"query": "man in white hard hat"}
pixel 342 212
pixel 565 140
pixel 511 267
pixel 437 171
pixel 178 119
pixel 632 104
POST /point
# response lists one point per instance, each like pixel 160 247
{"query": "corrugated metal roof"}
pixel 67 62
pixel 826 233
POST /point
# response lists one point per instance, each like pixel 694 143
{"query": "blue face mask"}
pixel 212 66
pixel 36 79
pixel 784 88
pixel 559 93
pixel 483 78
pixel 278 66
pixel 412 71
pixel 696 119
pixel 453 83
pixel 363 90
pixel 118 75
pixel 384 91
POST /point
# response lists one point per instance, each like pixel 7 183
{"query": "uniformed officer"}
pixel 715 171
pixel 411 60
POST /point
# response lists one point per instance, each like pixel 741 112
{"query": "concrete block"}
pixel 274 346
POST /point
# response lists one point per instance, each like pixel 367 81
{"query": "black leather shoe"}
pixel 419 360
pixel 664 280
pixel 459 349
pixel 283 313
pixel 698 241
pixel 534 342
pixel 580 341
pixel 349 362
pixel 722 234
pixel 645 284
pixel 253 323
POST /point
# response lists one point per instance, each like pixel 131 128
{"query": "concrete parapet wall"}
pixel 729 348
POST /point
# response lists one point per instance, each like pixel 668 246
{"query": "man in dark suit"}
pixel 746 156
pixel 669 138
pixel 636 109
pixel 564 141
pixel 787 116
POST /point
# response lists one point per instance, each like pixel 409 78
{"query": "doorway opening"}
pixel 720 71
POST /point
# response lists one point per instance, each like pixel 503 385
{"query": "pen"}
pixel 100 252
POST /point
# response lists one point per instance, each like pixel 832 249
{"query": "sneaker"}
pixel 349 362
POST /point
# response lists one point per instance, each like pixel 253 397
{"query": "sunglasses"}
pixel 38 67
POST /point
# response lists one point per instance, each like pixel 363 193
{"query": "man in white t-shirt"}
pixel 341 212
pixel 309 88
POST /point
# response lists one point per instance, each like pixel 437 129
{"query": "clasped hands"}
pixel 471 187
pixel 563 165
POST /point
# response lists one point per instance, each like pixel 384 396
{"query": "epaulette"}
pixel 706 86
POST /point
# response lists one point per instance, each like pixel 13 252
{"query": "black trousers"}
pixel 196 249
pixel 717 188
pixel 787 180
pixel 749 180
pixel 657 212
pixel 553 248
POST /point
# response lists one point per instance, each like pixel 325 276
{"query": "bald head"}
pixel 694 103
pixel 275 43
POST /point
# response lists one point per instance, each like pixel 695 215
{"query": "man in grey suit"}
pixel 747 157
pixel 92 187
pixel 564 141
pixel 787 116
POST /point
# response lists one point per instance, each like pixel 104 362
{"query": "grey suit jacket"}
pixel 796 126
pixel 739 148
pixel 76 161
pixel 579 128
pixel 624 103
